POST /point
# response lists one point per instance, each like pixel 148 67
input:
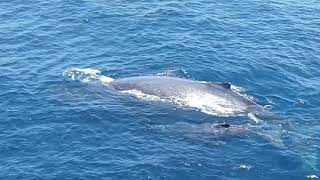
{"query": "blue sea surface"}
pixel 55 128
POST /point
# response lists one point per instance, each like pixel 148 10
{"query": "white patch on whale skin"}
pixel 204 102
pixel 210 104
pixel 141 95
pixel 86 75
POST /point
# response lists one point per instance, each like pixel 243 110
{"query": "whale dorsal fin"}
pixel 224 125
pixel 224 85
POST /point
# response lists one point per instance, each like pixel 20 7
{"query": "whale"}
pixel 212 97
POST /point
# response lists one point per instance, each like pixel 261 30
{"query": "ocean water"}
pixel 56 127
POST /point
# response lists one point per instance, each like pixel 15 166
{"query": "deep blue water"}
pixel 54 128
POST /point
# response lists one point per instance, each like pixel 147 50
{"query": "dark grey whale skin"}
pixel 167 87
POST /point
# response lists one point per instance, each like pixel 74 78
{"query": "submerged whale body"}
pixel 214 98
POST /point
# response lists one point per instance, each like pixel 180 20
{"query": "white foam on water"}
pixel 242 91
pixel 86 75
pixel 87 70
pixel 253 117
pixel 237 89
pixel 312 177
pixel 105 79
pixel 268 106
pixel 246 167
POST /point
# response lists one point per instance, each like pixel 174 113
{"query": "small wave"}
pixel 86 75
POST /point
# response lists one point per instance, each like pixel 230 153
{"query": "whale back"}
pixel 214 98
pixel 159 86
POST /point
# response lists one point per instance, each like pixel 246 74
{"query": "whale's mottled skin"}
pixel 167 87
